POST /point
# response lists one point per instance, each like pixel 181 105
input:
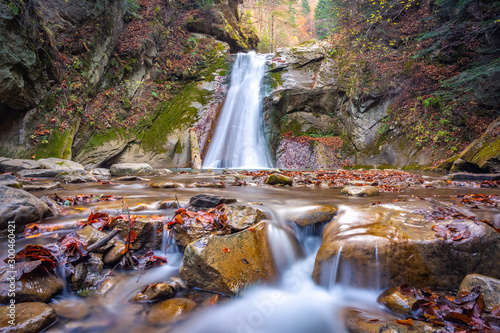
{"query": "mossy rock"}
pixel 279 179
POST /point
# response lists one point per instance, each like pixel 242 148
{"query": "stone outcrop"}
pixel 395 244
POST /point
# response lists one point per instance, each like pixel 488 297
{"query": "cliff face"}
pixel 103 81
pixel 402 88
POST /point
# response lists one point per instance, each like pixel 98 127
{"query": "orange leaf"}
pixel 178 219
pixel 226 250
pixel 133 236
pixel 408 321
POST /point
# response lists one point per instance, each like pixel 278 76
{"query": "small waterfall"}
pixel 238 141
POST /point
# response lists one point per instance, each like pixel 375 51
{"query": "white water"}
pixel 238 141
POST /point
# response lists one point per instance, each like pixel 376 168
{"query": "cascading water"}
pixel 238 141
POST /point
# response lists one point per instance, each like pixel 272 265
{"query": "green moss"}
pixel 415 167
pixel 446 165
pixel 58 144
pixel 488 151
pixel 178 147
pixel 175 114
pixel 98 139
pixel 275 79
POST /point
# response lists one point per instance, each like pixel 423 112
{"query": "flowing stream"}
pixel 238 141
pixel 293 304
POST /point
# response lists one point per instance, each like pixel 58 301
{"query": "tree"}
pixel 306 9
pixel 323 15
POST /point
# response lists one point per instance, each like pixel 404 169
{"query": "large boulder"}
pixel 391 245
pixel 31 317
pixel 227 264
pixel 21 207
pixel 130 169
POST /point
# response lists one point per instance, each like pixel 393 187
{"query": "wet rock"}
pixel 185 234
pixel 146 230
pixel 464 176
pixel 72 308
pixel 115 254
pixel 155 292
pixel 107 286
pixel 312 215
pixel 21 207
pixel 100 172
pixel 53 206
pixel 40 173
pixel 209 201
pixel 228 264
pixel 129 169
pixel 168 205
pixel 31 317
pixel 91 235
pixel 10 181
pixel 31 287
pixel 129 179
pixel 240 217
pixel 279 179
pixel 210 185
pixel 161 172
pixel 395 301
pixel 43 187
pixel 228 172
pixel 360 191
pixel 87 274
pixel 75 177
pixel 376 321
pixel 393 246
pixel 170 311
pixel 165 185
pixel 439 183
pixel 490 288
pixel 16 165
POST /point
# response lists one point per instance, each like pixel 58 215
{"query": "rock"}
pixel 146 230
pixel 75 177
pixel 71 308
pixel 185 234
pixel 53 206
pixel 161 172
pixel 100 172
pixel 87 274
pixel 10 181
pixel 36 173
pixel 360 191
pixel 240 217
pixel 21 207
pixel 393 246
pixel 311 215
pixel 279 179
pixel 31 317
pixel 209 201
pixel 464 176
pixel 490 288
pixel 16 165
pixel 129 179
pixel 210 185
pixel 155 292
pixel 115 254
pixel 91 235
pixel 165 185
pixel 43 187
pixel 376 321
pixel 228 172
pixel 130 169
pixel 396 302
pixel 439 183
pixel 482 155
pixel 170 311
pixel 168 205
pixel 31 287
pixel 227 264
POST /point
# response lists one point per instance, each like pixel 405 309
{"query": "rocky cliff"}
pixel 106 81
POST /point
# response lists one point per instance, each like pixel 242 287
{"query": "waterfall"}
pixel 238 141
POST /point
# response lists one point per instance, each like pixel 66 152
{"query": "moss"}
pixel 415 167
pixel 446 165
pixel 487 152
pixel 175 114
pixel 275 79
pixel 98 139
pixel 178 147
pixel 58 144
